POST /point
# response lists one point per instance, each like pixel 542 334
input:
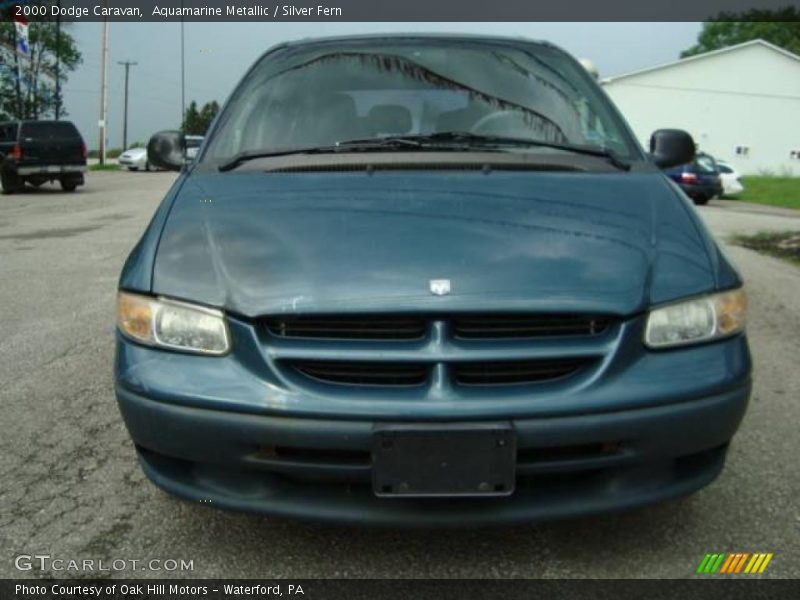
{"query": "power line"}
pixel 127 64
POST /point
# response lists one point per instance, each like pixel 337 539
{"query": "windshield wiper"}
pixel 248 155
pixel 453 141
pixel 468 139
pixel 385 144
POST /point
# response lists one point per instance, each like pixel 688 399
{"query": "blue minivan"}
pixel 428 280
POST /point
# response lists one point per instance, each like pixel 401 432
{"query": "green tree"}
pixel 207 114
pixel 27 81
pixel 196 122
pixel 780 27
pixel 191 119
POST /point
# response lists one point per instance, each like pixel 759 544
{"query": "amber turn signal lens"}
pixel 731 311
pixel 135 316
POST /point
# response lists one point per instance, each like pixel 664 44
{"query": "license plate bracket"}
pixel 444 460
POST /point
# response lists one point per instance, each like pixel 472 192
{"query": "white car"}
pixel 730 178
pixel 134 159
pixel 193 143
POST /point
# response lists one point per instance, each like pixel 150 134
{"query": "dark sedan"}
pixel 428 280
pixel 699 179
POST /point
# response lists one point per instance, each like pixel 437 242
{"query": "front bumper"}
pixel 124 161
pixel 218 458
pixel 212 430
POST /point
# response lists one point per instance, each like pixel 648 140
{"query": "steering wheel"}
pixel 503 122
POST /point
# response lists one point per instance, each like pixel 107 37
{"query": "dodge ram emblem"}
pixel 440 287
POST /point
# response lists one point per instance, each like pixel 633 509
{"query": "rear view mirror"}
pixel 167 150
pixel 671 147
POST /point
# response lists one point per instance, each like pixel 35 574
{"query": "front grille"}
pixel 527 326
pixel 348 328
pixel 410 327
pixel 505 373
pixel 385 374
pixel 419 354
pixel 399 374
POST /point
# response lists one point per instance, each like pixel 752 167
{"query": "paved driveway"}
pixel 71 487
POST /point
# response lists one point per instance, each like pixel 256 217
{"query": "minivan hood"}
pixel 267 243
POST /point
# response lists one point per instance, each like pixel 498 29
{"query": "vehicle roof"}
pixel 429 36
pixel 25 121
pixel 383 37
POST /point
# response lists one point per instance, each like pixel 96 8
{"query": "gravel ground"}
pixel 72 487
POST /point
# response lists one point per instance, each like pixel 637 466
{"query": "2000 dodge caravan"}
pixel 428 280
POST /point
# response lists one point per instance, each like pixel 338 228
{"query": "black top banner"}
pixel 393 10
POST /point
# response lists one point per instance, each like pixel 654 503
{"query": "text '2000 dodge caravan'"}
pixel 428 280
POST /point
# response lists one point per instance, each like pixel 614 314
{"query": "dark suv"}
pixel 36 152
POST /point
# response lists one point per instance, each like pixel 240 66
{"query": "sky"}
pixel 218 54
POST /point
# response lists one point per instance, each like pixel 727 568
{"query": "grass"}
pixel 774 191
pixel 781 244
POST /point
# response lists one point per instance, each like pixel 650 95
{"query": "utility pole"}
pixel 183 74
pixel 58 62
pixel 103 90
pixel 127 64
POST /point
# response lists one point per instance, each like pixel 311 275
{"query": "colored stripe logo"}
pixel 734 563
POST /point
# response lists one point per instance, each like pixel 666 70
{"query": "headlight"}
pixel 696 320
pixel 172 324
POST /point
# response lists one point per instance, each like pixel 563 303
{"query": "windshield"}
pixel 49 129
pixel 326 93
pixel 705 164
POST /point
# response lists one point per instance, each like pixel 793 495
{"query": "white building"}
pixel 740 103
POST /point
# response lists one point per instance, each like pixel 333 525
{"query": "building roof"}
pixel 704 56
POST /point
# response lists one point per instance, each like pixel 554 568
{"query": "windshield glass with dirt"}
pixel 327 93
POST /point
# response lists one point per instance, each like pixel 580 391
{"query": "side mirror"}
pixel 671 147
pixel 167 150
